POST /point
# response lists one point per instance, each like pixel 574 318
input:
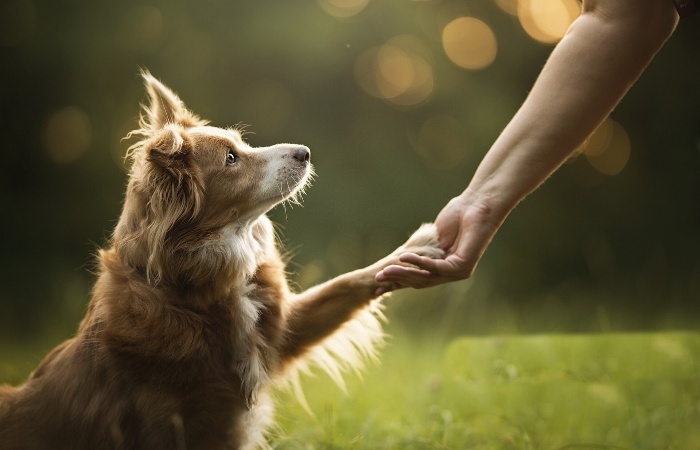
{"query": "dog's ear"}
pixel 164 107
pixel 168 150
pixel 162 116
pixel 175 194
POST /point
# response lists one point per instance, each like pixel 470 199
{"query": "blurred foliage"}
pixel 379 91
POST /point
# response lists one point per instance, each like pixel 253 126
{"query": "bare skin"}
pixel 591 69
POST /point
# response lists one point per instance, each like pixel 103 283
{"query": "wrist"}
pixel 491 207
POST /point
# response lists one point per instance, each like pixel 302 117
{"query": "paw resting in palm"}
pixel 424 242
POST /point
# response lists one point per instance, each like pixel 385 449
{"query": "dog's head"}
pixel 191 182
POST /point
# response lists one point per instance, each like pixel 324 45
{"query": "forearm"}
pixel 590 70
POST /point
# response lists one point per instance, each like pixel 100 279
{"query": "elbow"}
pixel 653 21
pixel 662 20
pixel 658 19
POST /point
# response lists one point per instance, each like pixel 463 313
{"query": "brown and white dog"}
pixel 191 320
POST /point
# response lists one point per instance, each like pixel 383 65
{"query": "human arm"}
pixel 603 53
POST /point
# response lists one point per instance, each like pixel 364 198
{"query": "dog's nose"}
pixel 302 154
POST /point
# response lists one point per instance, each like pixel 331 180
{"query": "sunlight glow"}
pixel 343 8
pixel 508 6
pixel 608 148
pixel 470 43
pixel 66 134
pixel 396 72
pixel 547 20
pixel 599 141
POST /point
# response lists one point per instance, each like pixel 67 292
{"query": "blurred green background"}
pixel 398 101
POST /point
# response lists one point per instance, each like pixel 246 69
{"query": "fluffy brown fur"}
pixel 191 320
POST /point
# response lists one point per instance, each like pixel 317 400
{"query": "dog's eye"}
pixel 231 158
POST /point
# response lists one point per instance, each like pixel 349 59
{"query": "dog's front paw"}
pixel 423 242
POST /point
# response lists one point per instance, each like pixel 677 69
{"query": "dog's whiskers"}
pixel 284 204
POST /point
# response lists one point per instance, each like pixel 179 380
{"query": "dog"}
pixel 192 322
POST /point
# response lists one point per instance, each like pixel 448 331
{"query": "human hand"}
pixel 464 231
pixel 423 243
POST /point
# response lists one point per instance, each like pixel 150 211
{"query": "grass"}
pixel 602 391
pixel 609 391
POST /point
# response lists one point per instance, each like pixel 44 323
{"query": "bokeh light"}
pixel 396 71
pixel 599 141
pixel 608 148
pixel 509 6
pixel 470 43
pixel 17 21
pixel 547 20
pixel 66 134
pixel 343 8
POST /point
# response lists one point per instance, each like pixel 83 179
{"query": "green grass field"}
pixel 610 391
pixel 602 391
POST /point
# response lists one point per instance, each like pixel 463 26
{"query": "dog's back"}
pixel 140 369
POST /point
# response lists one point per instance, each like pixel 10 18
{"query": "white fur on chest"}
pixel 248 362
pixel 244 247
pixel 247 248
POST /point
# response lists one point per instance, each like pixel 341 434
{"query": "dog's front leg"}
pixel 316 313
pixel 319 311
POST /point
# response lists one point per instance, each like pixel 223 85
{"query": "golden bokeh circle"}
pixel 470 43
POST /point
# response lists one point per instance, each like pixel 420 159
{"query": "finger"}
pixel 425 280
pixel 418 260
pixel 452 266
pixel 403 271
pixel 404 276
